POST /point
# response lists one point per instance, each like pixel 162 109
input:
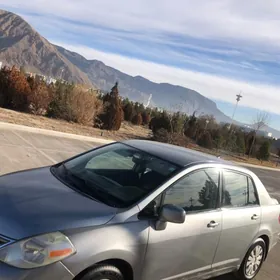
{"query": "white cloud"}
pixel 250 27
pixel 247 21
pixel 261 96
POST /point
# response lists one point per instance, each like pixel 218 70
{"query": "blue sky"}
pixel 217 47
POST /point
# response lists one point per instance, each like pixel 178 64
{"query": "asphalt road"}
pixel 22 150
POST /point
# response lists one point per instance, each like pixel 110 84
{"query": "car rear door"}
pixel 241 215
pixel 189 248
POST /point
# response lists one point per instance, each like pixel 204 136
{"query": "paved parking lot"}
pixel 22 150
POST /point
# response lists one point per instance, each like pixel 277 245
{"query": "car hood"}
pixel 34 202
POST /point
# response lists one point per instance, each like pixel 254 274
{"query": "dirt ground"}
pixel 127 130
pixel 235 158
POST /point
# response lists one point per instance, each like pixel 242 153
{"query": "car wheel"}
pixel 253 261
pixel 103 272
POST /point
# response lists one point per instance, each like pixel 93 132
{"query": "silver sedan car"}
pixel 135 210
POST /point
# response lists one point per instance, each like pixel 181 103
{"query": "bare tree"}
pixel 171 115
pixel 261 120
pixel 184 106
pixel 193 108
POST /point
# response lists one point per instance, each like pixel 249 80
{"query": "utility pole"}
pixel 238 98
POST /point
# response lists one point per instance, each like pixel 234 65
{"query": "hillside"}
pixel 138 88
pixel 21 45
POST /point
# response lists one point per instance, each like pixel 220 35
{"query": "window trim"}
pixel 219 196
pixel 223 189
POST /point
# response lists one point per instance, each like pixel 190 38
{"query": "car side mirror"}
pixel 150 211
pixel 172 214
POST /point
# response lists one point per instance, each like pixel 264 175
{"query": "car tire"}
pixel 253 261
pixel 102 272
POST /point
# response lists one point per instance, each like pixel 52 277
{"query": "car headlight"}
pixel 37 251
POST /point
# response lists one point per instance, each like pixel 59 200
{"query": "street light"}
pixel 238 98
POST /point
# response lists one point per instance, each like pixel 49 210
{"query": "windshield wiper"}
pixel 81 188
pixel 88 187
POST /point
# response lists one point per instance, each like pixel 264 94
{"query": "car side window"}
pixel 196 191
pixel 239 190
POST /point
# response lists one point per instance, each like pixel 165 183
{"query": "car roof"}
pixel 174 154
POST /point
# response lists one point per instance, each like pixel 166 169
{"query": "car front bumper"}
pixel 56 271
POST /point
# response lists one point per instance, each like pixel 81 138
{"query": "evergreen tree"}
pixel 137 119
pixel 206 140
pixel 112 116
pixel 240 143
pixel 264 151
pixel 146 117
pixel 160 121
pixel 128 111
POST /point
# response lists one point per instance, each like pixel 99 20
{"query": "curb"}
pixel 257 166
pixel 10 126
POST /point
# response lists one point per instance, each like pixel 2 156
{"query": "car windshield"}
pixel 117 174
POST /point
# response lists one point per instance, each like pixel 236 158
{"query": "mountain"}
pixel 275 133
pixel 139 89
pixel 21 45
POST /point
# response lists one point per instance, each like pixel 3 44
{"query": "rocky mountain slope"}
pixel 21 45
pixel 139 89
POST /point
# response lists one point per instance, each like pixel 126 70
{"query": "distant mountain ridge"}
pixel 21 45
pixel 139 88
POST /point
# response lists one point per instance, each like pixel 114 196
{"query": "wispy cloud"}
pixel 217 47
pixel 252 20
pixel 262 96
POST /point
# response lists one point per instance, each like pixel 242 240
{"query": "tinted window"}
pixel 118 175
pixel 196 191
pixel 239 190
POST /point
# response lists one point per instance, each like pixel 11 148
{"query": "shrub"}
pixel 160 121
pixel 75 105
pixel 161 135
pixel 39 98
pixel 128 112
pixel 178 121
pixel 179 139
pixel 264 151
pixel 60 107
pixel 205 140
pixel 111 118
pixel 4 89
pixel 137 119
pixel 146 118
pixel 240 143
pixel 14 90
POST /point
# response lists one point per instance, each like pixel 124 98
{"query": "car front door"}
pixel 188 248
pixel 240 218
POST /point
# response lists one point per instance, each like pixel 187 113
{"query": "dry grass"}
pixel 235 158
pixel 127 130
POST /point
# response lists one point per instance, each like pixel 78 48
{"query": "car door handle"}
pixel 212 224
pixel 255 217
